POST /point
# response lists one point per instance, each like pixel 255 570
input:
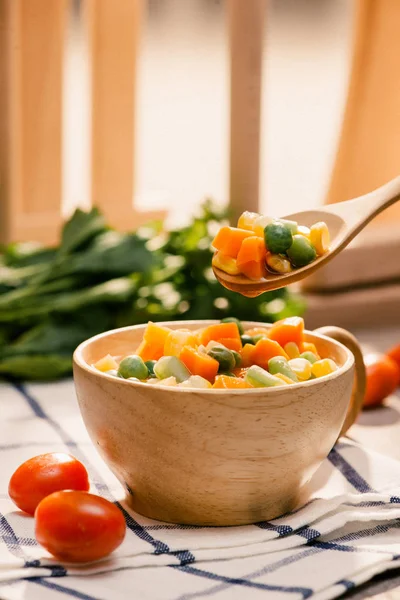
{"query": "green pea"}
pixel 171 366
pixel 150 365
pixel 133 366
pixel 247 339
pixel 279 364
pixel 237 357
pixel 301 252
pixel 278 238
pixel 224 356
pixel 258 377
pixel 234 320
pixel 228 374
pixel 310 356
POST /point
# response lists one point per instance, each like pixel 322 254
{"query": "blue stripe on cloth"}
pixel 352 476
pixel 55 587
pixel 8 539
pixel 305 592
pixel 314 547
pixel 307 532
pixel 395 500
pixel 159 547
pixel 281 530
pixel 7 533
pixel 347 584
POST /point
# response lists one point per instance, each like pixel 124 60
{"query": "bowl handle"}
pixel 348 340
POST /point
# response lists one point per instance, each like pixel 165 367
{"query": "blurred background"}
pixel 182 122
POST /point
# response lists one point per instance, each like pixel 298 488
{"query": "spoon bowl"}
pixel 344 220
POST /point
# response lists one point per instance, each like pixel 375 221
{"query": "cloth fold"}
pixel 346 531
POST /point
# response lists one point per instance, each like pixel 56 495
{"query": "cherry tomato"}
pixel 382 378
pixel 394 354
pixel 78 526
pixel 44 474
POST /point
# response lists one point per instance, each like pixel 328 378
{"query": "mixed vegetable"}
pixel 223 355
pixel 260 243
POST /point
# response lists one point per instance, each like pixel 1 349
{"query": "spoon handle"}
pixel 360 211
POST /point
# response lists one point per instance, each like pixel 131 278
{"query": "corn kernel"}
pixel 247 219
pixel 319 237
pixel 292 350
pixel 322 367
pixel 225 263
pixel 107 363
pixel 286 380
pixel 303 230
pixel 278 263
pixel 301 367
pixel 260 224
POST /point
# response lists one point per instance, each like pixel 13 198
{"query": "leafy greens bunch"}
pixel 51 299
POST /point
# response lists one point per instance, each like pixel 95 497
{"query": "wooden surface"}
pixel 246 29
pixel 114 28
pixel 212 434
pixel 31 60
pixel 368 148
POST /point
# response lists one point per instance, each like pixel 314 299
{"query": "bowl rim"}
pixel 79 361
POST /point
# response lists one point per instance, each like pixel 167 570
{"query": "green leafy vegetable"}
pixel 51 299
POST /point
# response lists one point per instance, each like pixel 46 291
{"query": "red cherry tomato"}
pixel 382 378
pixel 79 527
pixel 394 354
pixel 44 474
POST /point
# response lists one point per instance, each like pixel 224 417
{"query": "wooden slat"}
pixel 114 35
pixel 31 61
pixel 368 152
pixel 246 27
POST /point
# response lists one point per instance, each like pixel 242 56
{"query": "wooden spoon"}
pixel 344 220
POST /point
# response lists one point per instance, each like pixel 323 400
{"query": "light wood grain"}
pixel 211 457
pixel 246 30
pixel 114 28
pixel 31 63
pixel 344 220
pixel 367 153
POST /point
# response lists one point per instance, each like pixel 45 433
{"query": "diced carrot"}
pixel 176 340
pixel 287 330
pixel 229 240
pixel 247 355
pixel 219 331
pixel 309 347
pixel 230 383
pixel 253 270
pixel 252 249
pixel 199 364
pixel 152 346
pixel 251 257
pixel 231 343
pixel 266 349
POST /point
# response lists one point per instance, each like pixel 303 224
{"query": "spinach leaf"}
pixel 36 368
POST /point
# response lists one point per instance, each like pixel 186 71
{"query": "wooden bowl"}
pixel 213 457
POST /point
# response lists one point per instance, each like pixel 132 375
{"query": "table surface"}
pixel 379 429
